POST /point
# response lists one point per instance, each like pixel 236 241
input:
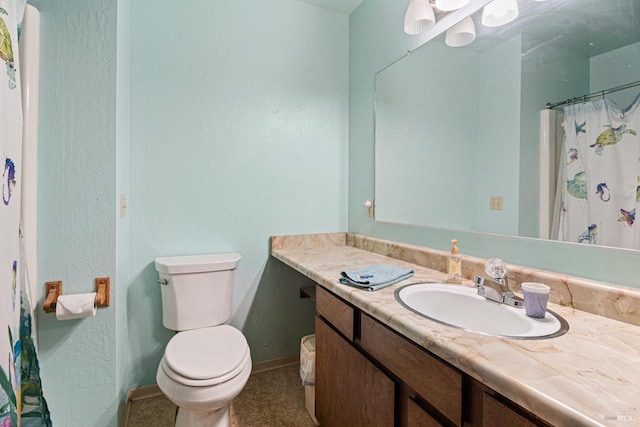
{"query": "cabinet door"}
pixel 350 390
pixel 418 417
pixel 495 414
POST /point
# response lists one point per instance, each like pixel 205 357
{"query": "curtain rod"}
pixel 592 95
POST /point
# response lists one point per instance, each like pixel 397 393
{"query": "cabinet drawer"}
pixel 438 383
pixel 335 311
pixel 496 414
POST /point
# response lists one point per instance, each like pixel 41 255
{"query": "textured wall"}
pixel 616 68
pixel 239 119
pixel 76 215
pixel 376 40
pixel 221 128
pixel 123 354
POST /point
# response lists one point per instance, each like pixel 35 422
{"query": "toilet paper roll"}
pixel 76 306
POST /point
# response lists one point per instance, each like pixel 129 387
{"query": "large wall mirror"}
pixel 457 129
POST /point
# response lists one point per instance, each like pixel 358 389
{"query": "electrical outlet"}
pixel 496 203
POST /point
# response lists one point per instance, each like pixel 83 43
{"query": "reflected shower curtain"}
pixel 600 174
pixel 21 399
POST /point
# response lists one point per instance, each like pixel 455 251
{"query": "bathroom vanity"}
pixel 363 363
pixel 379 364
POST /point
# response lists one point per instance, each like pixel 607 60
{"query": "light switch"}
pixel 123 205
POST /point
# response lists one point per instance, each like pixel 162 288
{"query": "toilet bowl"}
pixel 207 363
pixel 202 371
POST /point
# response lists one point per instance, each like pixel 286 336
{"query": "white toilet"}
pixel 207 364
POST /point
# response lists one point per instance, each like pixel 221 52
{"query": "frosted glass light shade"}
pixel 447 5
pixel 419 17
pixel 499 12
pixel 461 34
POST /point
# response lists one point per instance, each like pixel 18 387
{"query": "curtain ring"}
pixel 603 95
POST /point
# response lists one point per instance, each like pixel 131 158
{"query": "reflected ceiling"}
pixel 538 20
pixel 340 6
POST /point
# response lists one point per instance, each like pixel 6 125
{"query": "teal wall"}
pixel 238 131
pixel 616 68
pixel 123 101
pixel 376 40
pixel 444 144
pixel 418 122
pixel 497 137
pixel 221 128
pixel 76 215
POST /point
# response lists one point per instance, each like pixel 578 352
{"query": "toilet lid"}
pixel 202 354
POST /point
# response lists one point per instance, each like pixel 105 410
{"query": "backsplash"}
pixel 618 303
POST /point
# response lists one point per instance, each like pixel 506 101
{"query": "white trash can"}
pixel 308 373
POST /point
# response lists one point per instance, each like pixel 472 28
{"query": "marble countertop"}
pixel 588 377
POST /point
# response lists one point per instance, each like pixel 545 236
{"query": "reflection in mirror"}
pixel 458 130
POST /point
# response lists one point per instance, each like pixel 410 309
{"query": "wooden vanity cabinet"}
pixel 418 417
pixel 350 390
pixel 433 380
pixel 369 375
pixel 497 414
pixel 338 313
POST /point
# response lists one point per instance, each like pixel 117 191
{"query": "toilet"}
pixel 207 363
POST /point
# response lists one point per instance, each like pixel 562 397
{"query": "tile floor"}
pixel 270 399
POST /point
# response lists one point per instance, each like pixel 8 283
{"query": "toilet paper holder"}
pixel 54 290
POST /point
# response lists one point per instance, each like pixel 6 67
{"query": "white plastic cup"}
pixel 536 296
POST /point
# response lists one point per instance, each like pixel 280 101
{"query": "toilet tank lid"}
pixel 197 263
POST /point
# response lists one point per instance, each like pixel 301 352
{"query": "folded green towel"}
pixel 375 277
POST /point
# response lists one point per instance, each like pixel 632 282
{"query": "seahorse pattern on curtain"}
pixel 21 399
pixel 600 174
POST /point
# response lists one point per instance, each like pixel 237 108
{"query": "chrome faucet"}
pixel 497 288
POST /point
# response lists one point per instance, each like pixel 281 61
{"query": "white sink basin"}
pixel 460 307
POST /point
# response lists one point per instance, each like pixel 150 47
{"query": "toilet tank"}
pixel 196 290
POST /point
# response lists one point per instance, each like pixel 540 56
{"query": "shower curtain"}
pixel 21 399
pixel 600 174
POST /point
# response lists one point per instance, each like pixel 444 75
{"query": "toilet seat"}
pixel 207 356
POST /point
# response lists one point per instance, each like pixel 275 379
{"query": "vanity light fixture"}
pixel 461 34
pixel 499 12
pixel 449 5
pixel 419 18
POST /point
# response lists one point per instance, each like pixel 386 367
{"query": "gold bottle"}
pixel 454 271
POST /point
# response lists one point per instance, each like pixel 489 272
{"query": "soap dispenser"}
pixel 454 271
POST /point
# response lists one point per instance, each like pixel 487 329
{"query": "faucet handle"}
pixel 496 268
